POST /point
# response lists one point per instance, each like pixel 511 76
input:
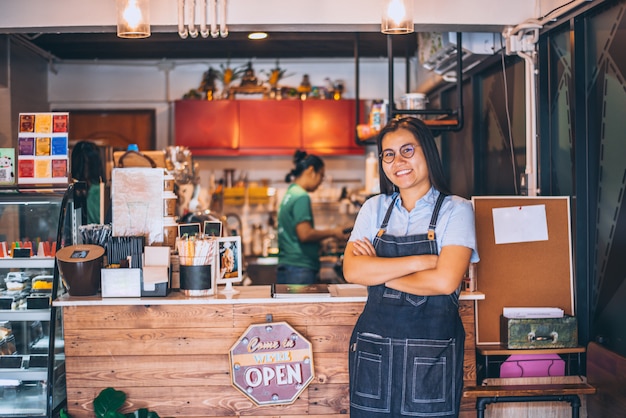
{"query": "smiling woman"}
pixel 411 245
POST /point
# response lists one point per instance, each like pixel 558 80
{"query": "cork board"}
pixel 522 274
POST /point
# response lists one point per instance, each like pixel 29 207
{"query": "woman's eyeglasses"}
pixel 406 151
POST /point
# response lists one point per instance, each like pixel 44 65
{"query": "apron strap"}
pixel 383 226
pixel 433 219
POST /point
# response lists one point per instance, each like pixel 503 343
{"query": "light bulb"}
pixel 132 14
pixel 133 18
pixel 397 17
pixel 396 11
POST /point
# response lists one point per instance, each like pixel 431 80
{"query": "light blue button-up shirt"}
pixel 455 224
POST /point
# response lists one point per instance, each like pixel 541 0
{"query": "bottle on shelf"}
pixel 270 243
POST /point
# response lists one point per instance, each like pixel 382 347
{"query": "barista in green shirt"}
pixel 298 240
pixel 86 166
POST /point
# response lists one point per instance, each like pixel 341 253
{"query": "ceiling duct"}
pixel 437 51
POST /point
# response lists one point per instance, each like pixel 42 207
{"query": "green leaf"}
pixel 63 414
pixel 108 402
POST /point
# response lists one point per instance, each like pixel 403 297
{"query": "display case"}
pixel 32 363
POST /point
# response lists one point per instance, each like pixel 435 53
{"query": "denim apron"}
pixel 406 351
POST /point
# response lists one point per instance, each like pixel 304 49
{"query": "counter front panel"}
pixel 173 358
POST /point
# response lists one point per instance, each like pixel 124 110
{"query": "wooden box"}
pixel 539 332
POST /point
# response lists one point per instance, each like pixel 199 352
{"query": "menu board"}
pixel 42 148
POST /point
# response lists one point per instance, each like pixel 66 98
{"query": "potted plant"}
pixel 108 403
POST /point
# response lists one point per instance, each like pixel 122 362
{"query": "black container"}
pixel 196 280
pixel 80 267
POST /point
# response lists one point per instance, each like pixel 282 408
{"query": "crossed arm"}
pixel 425 275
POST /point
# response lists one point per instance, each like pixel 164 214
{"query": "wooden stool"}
pixel 565 392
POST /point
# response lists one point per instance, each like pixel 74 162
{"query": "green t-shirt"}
pixel 93 204
pixel 294 209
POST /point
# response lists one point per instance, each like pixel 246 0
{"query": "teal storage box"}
pixel 539 332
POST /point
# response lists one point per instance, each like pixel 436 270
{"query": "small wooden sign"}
pixel 271 363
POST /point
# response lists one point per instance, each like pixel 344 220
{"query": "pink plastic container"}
pixel 533 365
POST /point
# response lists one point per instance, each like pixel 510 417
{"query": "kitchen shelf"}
pixel 32 262
pixel 25 314
pixel 490 357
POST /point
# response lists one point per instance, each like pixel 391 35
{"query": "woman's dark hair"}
pixel 86 162
pixel 425 138
pixel 302 161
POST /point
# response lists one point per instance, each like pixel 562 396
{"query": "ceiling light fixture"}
pixel 133 18
pixel 257 35
pixel 397 17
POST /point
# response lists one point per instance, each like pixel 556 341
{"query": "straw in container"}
pixel 196 257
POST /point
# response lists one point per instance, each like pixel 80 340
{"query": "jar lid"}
pixel 79 253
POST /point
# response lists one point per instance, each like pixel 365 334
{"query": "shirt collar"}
pixel 430 198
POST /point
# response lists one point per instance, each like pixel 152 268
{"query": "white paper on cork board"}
pixel 520 224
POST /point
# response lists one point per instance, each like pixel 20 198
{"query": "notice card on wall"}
pixel 7 166
pixel 520 224
pixel 42 148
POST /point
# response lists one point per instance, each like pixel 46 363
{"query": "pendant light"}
pixel 133 18
pixel 397 17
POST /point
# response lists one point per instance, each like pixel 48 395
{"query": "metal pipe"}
pixel 223 28
pixel 204 31
pixel 182 31
pixel 357 84
pixel 531 122
pixel 407 72
pixel 459 83
pixel 193 32
pixel 213 8
pixel 392 104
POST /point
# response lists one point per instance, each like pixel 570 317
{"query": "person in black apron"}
pixel 406 349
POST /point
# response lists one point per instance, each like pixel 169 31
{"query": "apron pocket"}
pixel 416 300
pixel 398 298
pixel 370 379
pixel 391 297
pixel 429 386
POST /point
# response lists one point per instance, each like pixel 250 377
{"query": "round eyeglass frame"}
pixel 406 151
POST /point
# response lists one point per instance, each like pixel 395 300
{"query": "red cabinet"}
pixel 207 127
pixel 267 127
pixel 329 126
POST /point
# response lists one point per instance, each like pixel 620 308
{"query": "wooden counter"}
pixel 171 354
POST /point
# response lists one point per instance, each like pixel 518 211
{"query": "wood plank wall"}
pixel 173 359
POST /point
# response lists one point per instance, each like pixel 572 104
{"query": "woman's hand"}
pixel 363 247
pixel 361 264
pixel 442 279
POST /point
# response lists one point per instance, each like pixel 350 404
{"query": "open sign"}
pixel 271 363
